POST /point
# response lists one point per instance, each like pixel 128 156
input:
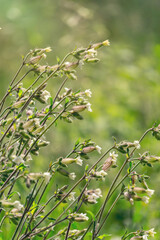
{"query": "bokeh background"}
pixel 125 83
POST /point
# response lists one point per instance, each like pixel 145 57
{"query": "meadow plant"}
pixel 31 112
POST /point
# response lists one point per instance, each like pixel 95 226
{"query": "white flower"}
pixel 101 174
pixel 48 49
pixel 92 52
pixel 145 237
pixel 79 217
pixel 98 148
pixel 137 144
pixel 79 161
pixel 151 232
pixel 18 205
pixel 45 95
pixel 18 160
pixel 145 199
pixel 114 156
pixel 47 176
pixel 91 196
pixel 88 105
pixel 66 89
pixel 72 176
pixel 88 92
pixel 150 192
pixel 71 196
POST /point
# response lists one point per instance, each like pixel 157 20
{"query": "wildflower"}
pixel 18 205
pixel 91 149
pixel 47 49
pixel 45 95
pixel 91 196
pixel 92 52
pixel 77 160
pixel 145 237
pixel 36 59
pixel 72 176
pixel 106 43
pixel 149 192
pixel 99 175
pixel 76 233
pixel 145 199
pixel 114 156
pixel 78 108
pixel 47 177
pixel 88 92
pixel 88 149
pixel 151 232
pixel 89 107
pixel 137 144
pixel 78 217
pixel 71 196
pixel 35 176
pixel 98 148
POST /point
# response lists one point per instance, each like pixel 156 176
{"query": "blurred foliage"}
pixel 125 84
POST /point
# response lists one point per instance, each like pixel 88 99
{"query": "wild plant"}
pixel 27 112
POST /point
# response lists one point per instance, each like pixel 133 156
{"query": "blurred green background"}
pixel 125 84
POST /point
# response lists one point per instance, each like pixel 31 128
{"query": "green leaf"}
pixel 103 236
pixel 58 60
pixel 77 115
pixel 77 142
pixel 92 215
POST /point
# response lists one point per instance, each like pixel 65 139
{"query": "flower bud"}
pixel 91 60
pixel 18 104
pixel 78 217
pixel 35 60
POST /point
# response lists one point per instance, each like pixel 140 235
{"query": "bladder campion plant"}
pixel 23 126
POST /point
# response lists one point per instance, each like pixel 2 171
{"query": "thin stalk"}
pixel 30 98
pixel 7 180
pixel 30 210
pixel 69 226
pixel 14 78
pixel 25 211
pixel 44 131
pixel 64 81
pixel 118 174
pixel 109 211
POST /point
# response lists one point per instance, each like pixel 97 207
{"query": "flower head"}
pixel 98 148
pixel 47 177
pixel 78 217
pixel 88 105
pixel 137 144
pixel 149 192
pixel 114 156
pixel 71 196
pixel 79 161
pixel 72 176
pixel 145 199
pixel 151 232
pixel 91 196
pixel 18 205
pixel 88 92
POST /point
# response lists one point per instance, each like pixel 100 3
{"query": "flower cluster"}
pixel 91 196
pixel 111 161
pixel 132 193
